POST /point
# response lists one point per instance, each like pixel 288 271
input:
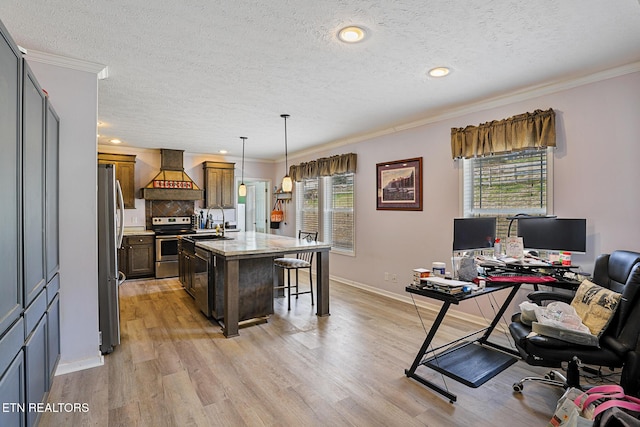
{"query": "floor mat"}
pixel 471 364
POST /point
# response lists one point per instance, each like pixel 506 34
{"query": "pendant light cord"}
pixel 243 138
pixel 286 162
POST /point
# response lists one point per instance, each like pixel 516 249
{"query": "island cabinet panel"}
pixel 219 184
pixel 10 171
pixel 125 174
pixel 255 293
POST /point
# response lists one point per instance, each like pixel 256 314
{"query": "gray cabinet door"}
pixel 53 338
pixel 12 393
pixel 35 351
pixel 51 194
pixel 33 186
pixel 10 101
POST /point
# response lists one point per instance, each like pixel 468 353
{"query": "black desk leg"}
pixel 485 338
pixel 411 372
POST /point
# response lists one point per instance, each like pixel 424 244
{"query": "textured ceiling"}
pixel 196 75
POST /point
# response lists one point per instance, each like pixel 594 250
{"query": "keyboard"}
pixel 503 278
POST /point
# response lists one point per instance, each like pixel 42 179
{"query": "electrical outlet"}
pixel 386 276
pixel 394 278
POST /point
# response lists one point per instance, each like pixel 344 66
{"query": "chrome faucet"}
pixel 223 222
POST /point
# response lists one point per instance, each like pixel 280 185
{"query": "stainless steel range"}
pixel 167 229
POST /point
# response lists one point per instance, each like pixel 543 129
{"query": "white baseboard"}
pixel 434 308
pixel 79 365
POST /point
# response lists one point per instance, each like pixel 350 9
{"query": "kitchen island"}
pixel 247 258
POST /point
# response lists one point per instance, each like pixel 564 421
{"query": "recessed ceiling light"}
pixel 115 141
pixel 439 72
pixel 223 151
pixel 351 34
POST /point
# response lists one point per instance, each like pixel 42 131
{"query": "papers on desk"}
pixel 505 260
pixel 449 286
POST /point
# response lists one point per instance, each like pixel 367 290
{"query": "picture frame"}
pixel 399 185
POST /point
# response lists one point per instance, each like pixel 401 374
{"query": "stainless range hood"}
pixel 172 183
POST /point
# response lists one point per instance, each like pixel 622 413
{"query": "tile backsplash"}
pixel 167 208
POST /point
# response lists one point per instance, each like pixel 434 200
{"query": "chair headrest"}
pixel 620 265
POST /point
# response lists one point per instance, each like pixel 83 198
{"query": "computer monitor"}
pixel 473 233
pixel 553 234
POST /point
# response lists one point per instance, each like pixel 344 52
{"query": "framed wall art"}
pixel 399 185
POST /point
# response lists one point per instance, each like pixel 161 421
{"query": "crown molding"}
pixel 101 70
pixel 498 101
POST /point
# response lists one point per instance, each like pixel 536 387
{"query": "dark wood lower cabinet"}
pixel 136 257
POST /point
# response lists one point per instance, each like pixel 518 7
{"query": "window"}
pixel 326 205
pixel 307 205
pixel 508 184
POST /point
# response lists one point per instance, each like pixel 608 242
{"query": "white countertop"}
pixel 137 231
pixel 251 243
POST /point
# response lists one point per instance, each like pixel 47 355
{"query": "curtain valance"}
pixel 521 132
pixel 325 166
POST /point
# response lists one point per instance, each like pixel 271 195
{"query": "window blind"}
pixel 339 224
pixel 307 205
pixel 505 185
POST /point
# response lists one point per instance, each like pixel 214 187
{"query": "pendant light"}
pixel 287 182
pixel 242 190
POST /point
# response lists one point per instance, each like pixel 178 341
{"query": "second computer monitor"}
pixel 554 234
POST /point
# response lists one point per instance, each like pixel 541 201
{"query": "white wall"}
pixel 74 95
pixel 596 177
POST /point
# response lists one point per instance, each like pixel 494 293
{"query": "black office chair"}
pixel 619 345
pixel 302 260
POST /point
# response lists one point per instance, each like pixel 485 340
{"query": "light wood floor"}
pixel 175 368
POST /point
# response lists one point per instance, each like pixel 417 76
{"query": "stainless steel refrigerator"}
pixel 110 232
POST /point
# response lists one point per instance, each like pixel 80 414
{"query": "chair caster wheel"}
pixel 517 387
pixel 550 376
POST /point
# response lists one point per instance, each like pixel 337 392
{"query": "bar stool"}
pixel 302 260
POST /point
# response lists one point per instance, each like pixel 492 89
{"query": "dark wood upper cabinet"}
pixel 219 184
pixel 125 173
